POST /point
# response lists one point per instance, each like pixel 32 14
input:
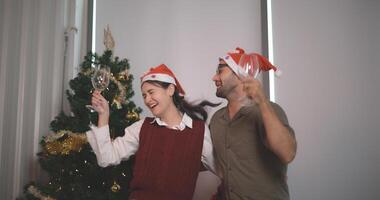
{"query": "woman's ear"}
pixel 171 90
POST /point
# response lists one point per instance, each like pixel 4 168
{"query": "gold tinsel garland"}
pixel 72 142
pixel 120 99
pixel 36 193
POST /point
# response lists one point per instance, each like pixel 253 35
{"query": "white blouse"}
pixel 121 148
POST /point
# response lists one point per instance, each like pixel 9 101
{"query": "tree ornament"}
pixel 115 187
pixel 133 115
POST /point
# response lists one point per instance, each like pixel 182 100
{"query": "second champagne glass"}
pixel 250 65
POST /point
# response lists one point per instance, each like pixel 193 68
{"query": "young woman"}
pixel 170 148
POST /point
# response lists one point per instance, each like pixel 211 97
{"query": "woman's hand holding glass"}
pixel 100 105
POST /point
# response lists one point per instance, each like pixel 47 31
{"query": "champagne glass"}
pixel 100 81
pixel 250 66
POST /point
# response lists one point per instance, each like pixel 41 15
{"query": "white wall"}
pixel 329 52
pixel 188 36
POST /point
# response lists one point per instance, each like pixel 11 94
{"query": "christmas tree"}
pixel 67 157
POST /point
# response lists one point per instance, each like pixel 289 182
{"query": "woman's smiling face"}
pixel 157 98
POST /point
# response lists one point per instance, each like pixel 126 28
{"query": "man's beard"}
pixel 228 85
pixel 220 93
pixel 224 90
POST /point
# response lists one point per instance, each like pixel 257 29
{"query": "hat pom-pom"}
pixel 278 73
pixel 239 50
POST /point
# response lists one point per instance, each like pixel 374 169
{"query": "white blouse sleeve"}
pixel 207 152
pixel 110 152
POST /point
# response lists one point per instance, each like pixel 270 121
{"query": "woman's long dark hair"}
pixel 194 111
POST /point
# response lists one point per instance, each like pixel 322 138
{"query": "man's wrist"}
pixel 263 104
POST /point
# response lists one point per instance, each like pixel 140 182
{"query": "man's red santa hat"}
pixel 233 58
pixel 163 74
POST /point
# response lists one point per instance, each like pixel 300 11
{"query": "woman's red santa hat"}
pixel 233 58
pixel 162 73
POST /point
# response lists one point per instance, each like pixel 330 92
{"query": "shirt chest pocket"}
pixel 244 149
pixel 244 144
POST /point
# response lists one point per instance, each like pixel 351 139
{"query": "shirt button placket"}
pixel 228 158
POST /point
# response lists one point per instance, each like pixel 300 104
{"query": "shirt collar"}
pixel 244 110
pixel 186 121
